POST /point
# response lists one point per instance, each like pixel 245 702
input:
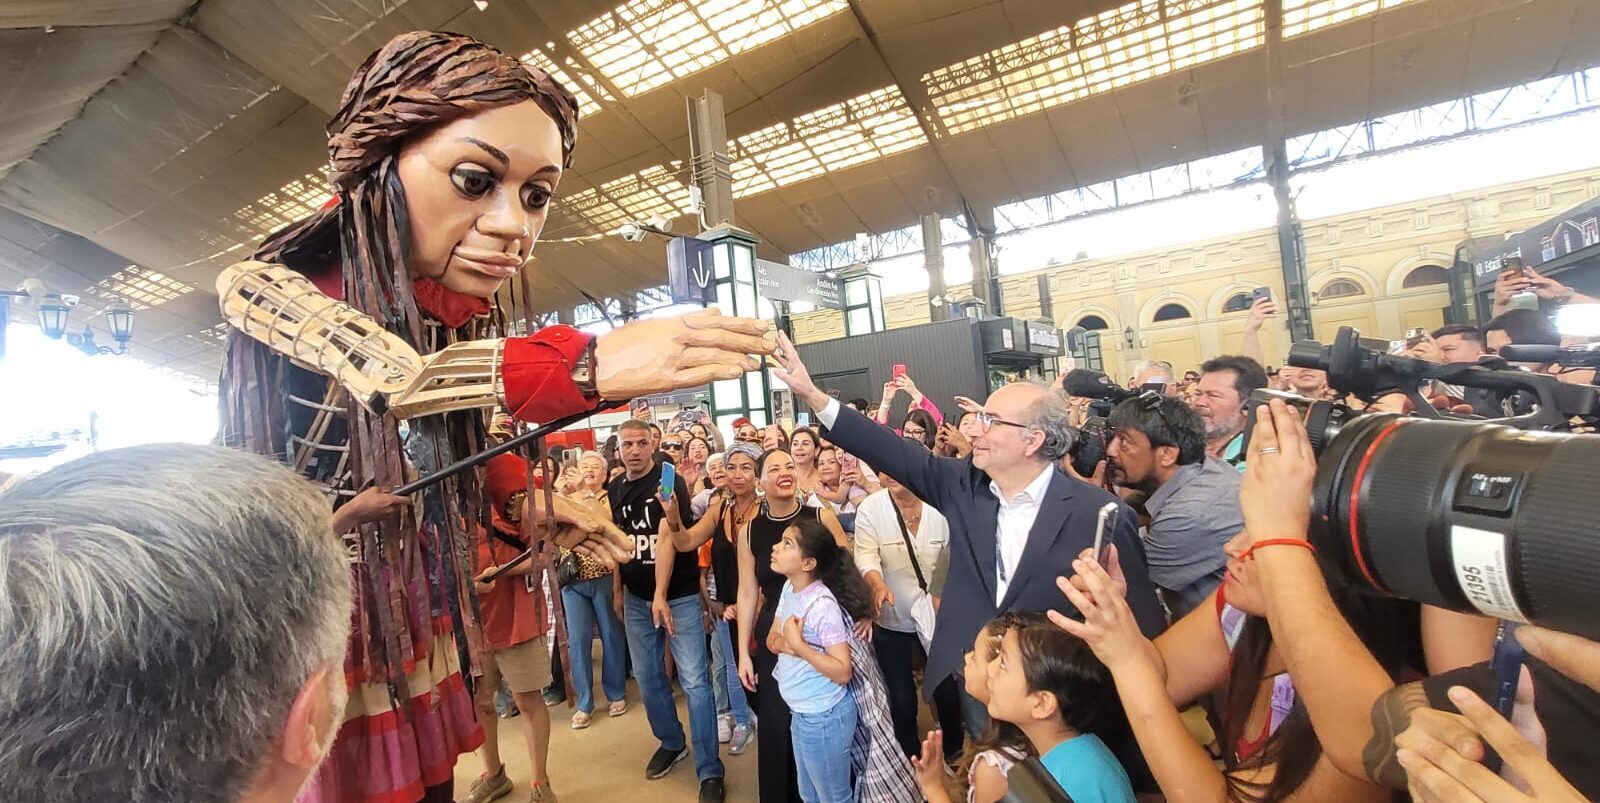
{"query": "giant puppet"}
pixel 367 349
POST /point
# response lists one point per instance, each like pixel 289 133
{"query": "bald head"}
pixel 1032 426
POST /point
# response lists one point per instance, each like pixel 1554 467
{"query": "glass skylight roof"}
pixel 643 44
pixel 652 191
pixel 861 129
pixel 588 92
pixel 1132 42
pixel 285 205
pixel 141 288
pixel 1305 16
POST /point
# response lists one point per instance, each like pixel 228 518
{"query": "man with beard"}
pixel 1159 447
pixel 1225 385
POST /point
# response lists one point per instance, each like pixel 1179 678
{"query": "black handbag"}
pixel 567 569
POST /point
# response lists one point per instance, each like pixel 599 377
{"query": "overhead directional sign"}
pixel 780 282
pixel 691 276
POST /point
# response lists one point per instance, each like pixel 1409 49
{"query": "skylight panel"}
pixel 862 129
pixel 585 90
pixel 644 44
pixel 1305 16
pixel 141 288
pixel 1133 42
pixel 291 202
pixel 653 191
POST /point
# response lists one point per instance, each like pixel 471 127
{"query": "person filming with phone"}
pixel 1158 446
pixel 1016 521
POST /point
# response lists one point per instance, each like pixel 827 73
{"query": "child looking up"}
pixel 1052 686
pixel 811 637
pixel 989 758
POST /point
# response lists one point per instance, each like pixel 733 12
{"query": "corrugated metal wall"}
pixel 944 358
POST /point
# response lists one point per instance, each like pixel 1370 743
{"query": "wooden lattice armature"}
pixel 284 310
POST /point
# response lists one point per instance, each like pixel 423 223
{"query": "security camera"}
pixel 632 232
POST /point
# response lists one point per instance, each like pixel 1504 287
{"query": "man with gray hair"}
pixel 1147 372
pixel 1016 521
pixel 175 620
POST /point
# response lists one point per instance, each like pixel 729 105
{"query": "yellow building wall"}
pixel 1376 249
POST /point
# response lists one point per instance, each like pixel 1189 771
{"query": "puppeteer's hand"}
pixel 663 354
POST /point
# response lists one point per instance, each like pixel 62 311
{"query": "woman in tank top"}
pixel 759 589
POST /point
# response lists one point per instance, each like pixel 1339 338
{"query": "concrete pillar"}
pixel 933 263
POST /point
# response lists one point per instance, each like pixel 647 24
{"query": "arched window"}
pixel 1172 312
pixel 1426 276
pixel 1240 302
pixel 1340 288
pixel 1093 323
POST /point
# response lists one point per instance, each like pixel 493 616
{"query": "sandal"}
pixel 618 708
pixel 580 720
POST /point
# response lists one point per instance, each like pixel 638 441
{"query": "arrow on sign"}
pixel 701 276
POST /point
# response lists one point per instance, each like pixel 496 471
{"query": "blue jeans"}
pixel 725 675
pixel 587 603
pixel 647 643
pixel 822 752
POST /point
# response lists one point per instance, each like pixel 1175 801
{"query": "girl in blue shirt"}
pixel 1052 686
pixel 811 637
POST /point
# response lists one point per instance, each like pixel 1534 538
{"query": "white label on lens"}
pixel 1482 569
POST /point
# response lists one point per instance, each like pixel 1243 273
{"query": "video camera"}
pixel 1094 435
pixel 1486 516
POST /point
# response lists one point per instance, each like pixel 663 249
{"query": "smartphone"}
pixel 1415 336
pixel 669 479
pixel 1259 293
pixel 899 370
pixel 1108 517
pixel 1512 265
pixel 802 419
pixel 1507 667
pixel 569 459
pixel 1159 387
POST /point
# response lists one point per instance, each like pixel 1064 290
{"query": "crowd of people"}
pixel 1162 628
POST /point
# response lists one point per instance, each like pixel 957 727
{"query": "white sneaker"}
pixel 724 728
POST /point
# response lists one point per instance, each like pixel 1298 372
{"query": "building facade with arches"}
pixel 1381 270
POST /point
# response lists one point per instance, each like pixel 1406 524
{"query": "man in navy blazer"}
pixel 1004 555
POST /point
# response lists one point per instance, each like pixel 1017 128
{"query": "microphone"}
pixel 1580 357
pixel 1085 383
pixel 1531 352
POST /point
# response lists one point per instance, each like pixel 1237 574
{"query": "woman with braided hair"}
pixel 445 153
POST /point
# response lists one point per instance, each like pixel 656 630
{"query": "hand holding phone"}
pixel 1107 520
pixel 669 480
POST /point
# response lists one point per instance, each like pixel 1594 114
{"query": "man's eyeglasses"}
pixel 986 420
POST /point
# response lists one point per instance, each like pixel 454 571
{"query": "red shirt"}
pixel 512 612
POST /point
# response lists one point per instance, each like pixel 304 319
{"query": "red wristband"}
pixel 537 374
pixel 1278 542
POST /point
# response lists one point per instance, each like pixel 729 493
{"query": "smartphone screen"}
pixel 1107 521
pixel 669 479
pixel 802 419
pixel 899 370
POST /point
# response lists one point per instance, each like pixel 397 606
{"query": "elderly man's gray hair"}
pixel 163 606
pixel 1049 414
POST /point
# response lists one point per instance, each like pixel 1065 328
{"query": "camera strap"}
pixel 911 548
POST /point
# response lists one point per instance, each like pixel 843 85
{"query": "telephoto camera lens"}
pixel 1479 518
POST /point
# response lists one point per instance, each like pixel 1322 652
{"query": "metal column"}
pixel 933 262
pixel 710 168
pixel 1291 254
